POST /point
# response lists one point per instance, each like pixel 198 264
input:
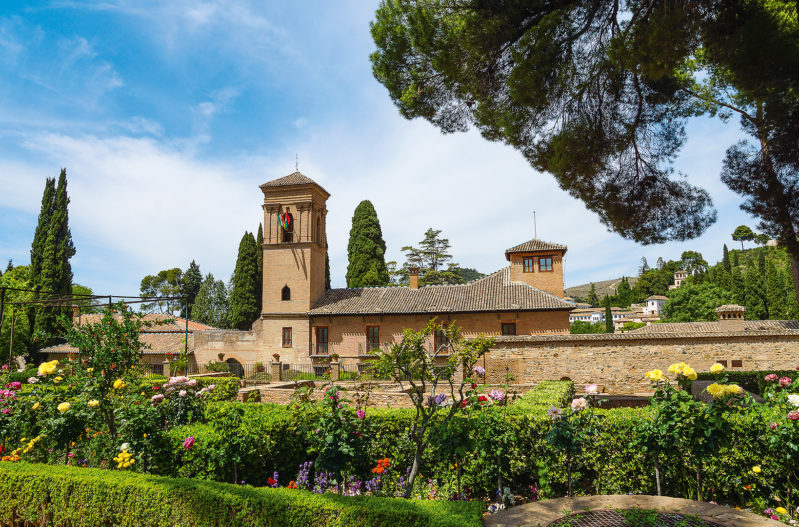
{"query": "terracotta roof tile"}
pixel 494 292
pixel 159 343
pixel 696 328
pixel 177 325
pixel 295 178
pixel 730 308
pixel 534 245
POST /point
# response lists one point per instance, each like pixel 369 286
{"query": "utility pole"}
pixel 535 227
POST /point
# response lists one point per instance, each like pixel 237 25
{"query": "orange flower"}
pixel 378 469
pixel 292 485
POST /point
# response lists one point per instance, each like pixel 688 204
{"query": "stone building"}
pixel 304 323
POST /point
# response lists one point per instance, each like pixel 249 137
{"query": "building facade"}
pixel 305 323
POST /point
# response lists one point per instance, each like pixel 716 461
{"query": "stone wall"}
pixel 619 361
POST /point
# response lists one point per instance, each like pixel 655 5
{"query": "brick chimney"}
pixel 413 274
pixel 731 317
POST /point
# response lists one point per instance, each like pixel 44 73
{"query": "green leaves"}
pixel 366 249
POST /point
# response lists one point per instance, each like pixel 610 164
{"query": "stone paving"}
pixel 541 513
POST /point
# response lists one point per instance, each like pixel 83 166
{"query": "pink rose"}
pixel 793 415
pixel 785 382
pixel 771 377
pixel 591 389
pixel 188 442
pixel 6 411
pixel 360 414
pixel 773 426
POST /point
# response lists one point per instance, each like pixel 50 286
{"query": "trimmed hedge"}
pixel 751 381
pixel 67 496
pixel 546 395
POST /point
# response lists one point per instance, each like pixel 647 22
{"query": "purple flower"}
pixel 436 400
pixel 479 370
pixel 555 413
pixel 497 395
pixel 188 442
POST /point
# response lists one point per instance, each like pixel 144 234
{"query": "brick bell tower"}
pixel 294 249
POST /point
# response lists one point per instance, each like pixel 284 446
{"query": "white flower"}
pixel 794 399
pixel 192 382
pixel 124 446
pixel 182 393
pixel 591 389
pixel 579 404
pixel 32 380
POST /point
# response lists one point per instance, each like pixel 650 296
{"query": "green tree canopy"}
pixel 164 284
pixel 599 93
pixel 743 233
pixel 189 287
pixel 695 302
pixel 243 302
pixel 15 315
pixel 693 262
pixel 366 250
pixel 211 305
pixel 430 257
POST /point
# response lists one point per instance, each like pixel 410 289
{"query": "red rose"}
pixel 270 482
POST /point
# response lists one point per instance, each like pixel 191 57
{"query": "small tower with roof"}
pixel 538 263
pixel 731 317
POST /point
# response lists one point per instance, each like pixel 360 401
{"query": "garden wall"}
pixel 619 361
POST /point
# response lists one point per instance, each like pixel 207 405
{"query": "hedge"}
pixel 226 387
pixel 34 494
pixel 751 381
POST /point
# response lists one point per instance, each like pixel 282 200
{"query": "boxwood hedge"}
pixel 66 496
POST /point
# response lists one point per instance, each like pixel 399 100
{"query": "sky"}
pixel 168 115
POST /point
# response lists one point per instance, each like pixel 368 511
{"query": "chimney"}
pixel 76 314
pixel 731 317
pixel 413 274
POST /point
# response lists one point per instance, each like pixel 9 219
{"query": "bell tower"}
pixel 295 244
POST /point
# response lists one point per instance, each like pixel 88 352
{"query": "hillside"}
pixel 602 288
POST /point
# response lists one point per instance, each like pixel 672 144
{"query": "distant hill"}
pixel 602 288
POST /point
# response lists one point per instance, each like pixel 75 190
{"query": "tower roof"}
pixel 534 245
pixel 295 178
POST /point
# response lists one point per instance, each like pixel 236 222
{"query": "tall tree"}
pixel 366 250
pixel 743 234
pixel 15 332
pixel 163 287
pixel 259 242
pixel 42 227
pixel 599 93
pixel 644 266
pixel 56 269
pixel 190 284
pixel 755 293
pixel 725 259
pixel 694 302
pixel 430 257
pixel 243 301
pixel 10 265
pixel 608 316
pixel 693 262
pixel 592 298
pixel 776 297
pixel 624 294
pixel 211 304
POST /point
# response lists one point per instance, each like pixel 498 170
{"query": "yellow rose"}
pixel 89 370
pixel 119 384
pixel 58 379
pixel 674 368
pixel 733 389
pixel 93 403
pixel 716 368
pixel 48 368
pixel 654 375
pixel 756 469
pixel 63 407
pixel 689 373
pixel 781 510
pixel 716 390
pixel 36 406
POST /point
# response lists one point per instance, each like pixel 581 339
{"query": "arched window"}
pixel 285 294
pixel 286 222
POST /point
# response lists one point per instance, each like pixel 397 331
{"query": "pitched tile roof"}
pixel 158 342
pixel 750 326
pixel 730 308
pixel 494 292
pixel 657 297
pixel 534 245
pixel 295 178
pixel 159 323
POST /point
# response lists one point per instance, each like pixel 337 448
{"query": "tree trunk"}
pixel 417 459
pixel 699 484
pixel 657 474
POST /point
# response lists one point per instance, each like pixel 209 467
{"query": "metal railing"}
pixel 305 372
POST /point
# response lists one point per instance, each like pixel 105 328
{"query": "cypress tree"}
pixel 366 249
pixel 259 248
pixel 191 281
pixel 592 298
pixel 211 305
pixel 735 259
pixel 40 235
pixel 10 265
pixel 776 294
pixel 725 259
pixel 56 271
pixel 243 303
pixel 608 316
pixel 755 291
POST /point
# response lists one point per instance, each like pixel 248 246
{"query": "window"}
pixel 737 363
pixel 529 264
pixel 285 293
pixel 509 328
pixel 545 263
pixel 372 338
pixel 321 341
pixel 723 363
pixel 440 341
pixel 286 340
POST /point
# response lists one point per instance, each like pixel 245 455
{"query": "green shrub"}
pixel 547 394
pixel 67 496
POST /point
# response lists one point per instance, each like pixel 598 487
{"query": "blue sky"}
pixel 168 115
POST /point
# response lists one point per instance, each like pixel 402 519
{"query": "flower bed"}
pixel 39 494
